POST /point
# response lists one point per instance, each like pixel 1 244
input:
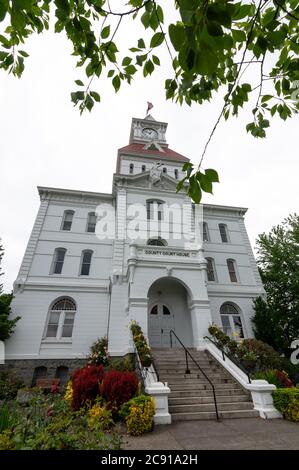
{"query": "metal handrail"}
pixel 187 353
pixel 231 358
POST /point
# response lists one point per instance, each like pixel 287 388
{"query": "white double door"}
pixel 161 321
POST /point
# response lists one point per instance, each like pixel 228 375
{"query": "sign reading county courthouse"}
pixel 167 253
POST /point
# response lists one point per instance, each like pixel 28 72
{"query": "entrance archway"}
pixel 168 309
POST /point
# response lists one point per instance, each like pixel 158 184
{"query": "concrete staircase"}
pixel 191 396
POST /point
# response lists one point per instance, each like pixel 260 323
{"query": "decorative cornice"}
pixel 72 195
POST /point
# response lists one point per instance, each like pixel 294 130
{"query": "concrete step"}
pixel 198 400
pixel 204 415
pixel 203 386
pixel 203 407
pixel 183 393
pixel 198 378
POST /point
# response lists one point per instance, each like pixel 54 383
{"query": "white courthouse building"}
pixel 96 261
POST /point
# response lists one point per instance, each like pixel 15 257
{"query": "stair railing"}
pixel 230 357
pixel 188 354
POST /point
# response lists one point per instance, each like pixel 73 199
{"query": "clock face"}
pixel 150 133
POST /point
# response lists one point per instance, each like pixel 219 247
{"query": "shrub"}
pixel 68 396
pixel 268 357
pixel 9 385
pixel 99 352
pixel 286 400
pixel 86 385
pixel 118 387
pixel 276 377
pixel 138 414
pixel 141 345
pixel 99 417
pixel 123 365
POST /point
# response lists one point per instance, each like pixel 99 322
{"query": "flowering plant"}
pixel 141 345
pixel 99 352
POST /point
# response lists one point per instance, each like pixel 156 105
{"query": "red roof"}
pixel 168 154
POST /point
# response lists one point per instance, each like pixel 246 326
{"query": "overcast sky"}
pixel 45 142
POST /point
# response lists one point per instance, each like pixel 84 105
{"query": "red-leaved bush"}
pixel 86 385
pixel 119 387
pixel 284 379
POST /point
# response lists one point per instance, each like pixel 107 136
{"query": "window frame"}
pixel 131 169
pixel 176 174
pixel 234 272
pixel 143 168
pixel 236 313
pixel 160 213
pixel 205 231
pixel 213 270
pixel 66 213
pixel 62 313
pixel 55 261
pixel 89 215
pixel 160 241
pixel 220 226
pixel 84 252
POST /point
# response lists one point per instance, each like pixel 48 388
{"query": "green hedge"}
pixel 286 400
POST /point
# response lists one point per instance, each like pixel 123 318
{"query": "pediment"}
pixel 144 180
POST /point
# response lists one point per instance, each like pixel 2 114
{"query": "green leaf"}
pixel 180 184
pixel 79 83
pixel 160 14
pixel 130 69
pixel 149 66
pixel 206 184
pixel 194 190
pixel 126 61
pixel 111 73
pixel 212 175
pixel 116 83
pixel 105 32
pixel 238 35
pixel 23 53
pixel 145 19
pixel 156 60
pixel 214 28
pixel 22 4
pixel 266 98
pixel 157 39
pixel 95 96
pixel 3 9
pixel 141 43
pixel 177 35
pixel 18 20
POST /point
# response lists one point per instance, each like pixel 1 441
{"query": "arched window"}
pixel 91 222
pixel 131 168
pixel 39 373
pixel 231 320
pixel 205 232
pixel 154 209
pixel 62 373
pixel 176 174
pixel 58 260
pixel 143 168
pixel 223 233
pixel 211 271
pixel 61 318
pixel 85 262
pixel 156 242
pixel 67 220
pixel 231 266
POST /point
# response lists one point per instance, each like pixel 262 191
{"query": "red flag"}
pixel 149 107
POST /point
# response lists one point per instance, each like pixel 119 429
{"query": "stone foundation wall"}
pixel 24 368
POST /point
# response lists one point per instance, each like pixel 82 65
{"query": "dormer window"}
pixel 164 169
pixel 131 168
pixel 143 168
pixel 176 174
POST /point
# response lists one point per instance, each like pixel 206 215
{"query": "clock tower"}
pixel 148 130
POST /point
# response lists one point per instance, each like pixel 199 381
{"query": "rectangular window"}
pixel 232 270
pixel 154 210
pixel 205 232
pixel 86 260
pixel 68 325
pixel 67 220
pixel 91 222
pixel 53 325
pixel 223 233
pixel 58 261
pixel 210 270
pixel 227 329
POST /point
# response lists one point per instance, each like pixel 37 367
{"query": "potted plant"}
pixel 248 360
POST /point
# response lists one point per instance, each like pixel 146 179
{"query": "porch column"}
pixel 201 319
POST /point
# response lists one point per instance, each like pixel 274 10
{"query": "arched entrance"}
pixel 168 309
